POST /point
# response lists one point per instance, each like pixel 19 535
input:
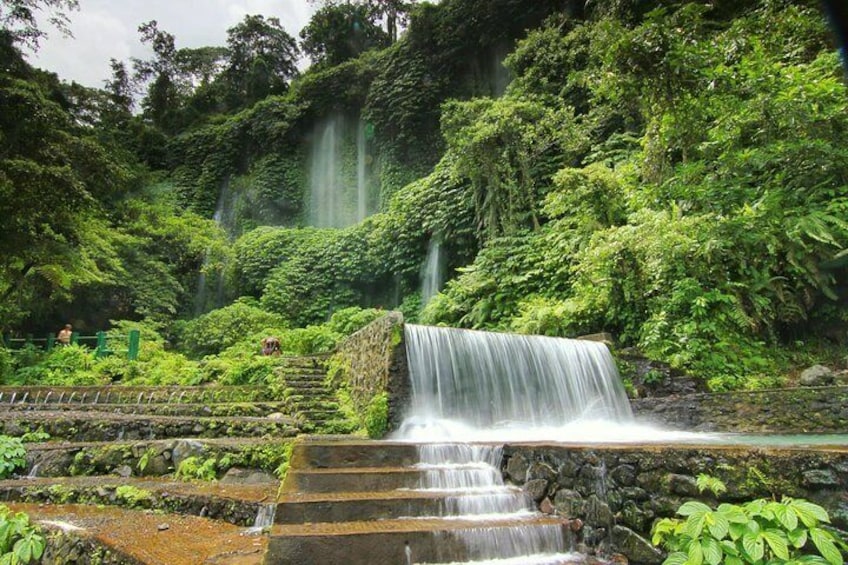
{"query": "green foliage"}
pixel 73 365
pixel 377 416
pixel 215 331
pixel 197 468
pixel 12 455
pixel 133 497
pixel 759 531
pixel 20 541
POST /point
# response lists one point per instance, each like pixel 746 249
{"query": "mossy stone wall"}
pixel 788 411
pixel 612 495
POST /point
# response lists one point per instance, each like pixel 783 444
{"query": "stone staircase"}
pixel 309 399
pixel 103 485
pixel 359 502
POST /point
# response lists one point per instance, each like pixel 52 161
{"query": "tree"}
pixel 393 11
pixel 262 59
pixel 18 17
pixel 337 33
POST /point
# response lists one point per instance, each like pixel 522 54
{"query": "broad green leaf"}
pixel 753 545
pixel 797 537
pixel 729 548
pixel 712 551
pixel 694 525
pixel 676 558
pixel 693 507
pixel 777 542
pixel 733 513
pixel 718 525
pixel 823 541
pixel 733 561
pixel 738 530
pixel 809 513
pixel 786 516
pixel 696 554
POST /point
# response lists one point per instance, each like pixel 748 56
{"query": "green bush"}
pixel 12 455
pixel 20 541
pixel 213 332
pixel 756 532
pixel 197 468
pixel 377 416
pixel 63 366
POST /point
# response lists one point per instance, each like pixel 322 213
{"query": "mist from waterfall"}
pixel 204 300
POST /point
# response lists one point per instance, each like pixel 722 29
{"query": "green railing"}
pixel 102 344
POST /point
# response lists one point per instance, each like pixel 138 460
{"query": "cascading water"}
pixel 338 177
pixel 432 272
pixel 480 386
pixel 202 299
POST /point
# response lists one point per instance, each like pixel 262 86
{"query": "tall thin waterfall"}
pixel 338 174
pixel 484 380
pixel 325 176
pixel 432 274
pixel 202 300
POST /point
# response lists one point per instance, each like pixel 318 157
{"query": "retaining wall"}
pixel 618 492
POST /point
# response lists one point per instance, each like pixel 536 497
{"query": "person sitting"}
pixel 64 335
pixel 271 346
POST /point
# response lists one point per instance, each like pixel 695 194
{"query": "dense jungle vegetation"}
pixel 675 173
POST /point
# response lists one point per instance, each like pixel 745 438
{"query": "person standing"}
pixel 64 335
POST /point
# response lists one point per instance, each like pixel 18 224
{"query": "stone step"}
pixel 227 409
pixel 386 541
pixel 348 452
pixel 119 394
pixel 88 426
pixel 237 504
pixel 298 508
pixel 57 459
pixel 142 538
pixel 351 479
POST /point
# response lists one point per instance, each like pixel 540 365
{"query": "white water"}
pixel 432 275
pixel 339 194
pixel 470 386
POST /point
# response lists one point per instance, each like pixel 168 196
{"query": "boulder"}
pixel 817 375
pixel 635 547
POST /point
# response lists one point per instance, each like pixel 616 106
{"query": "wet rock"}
pixel 624 475
pixel 569 503
pixel 541 471
pixel 567 471
pixel 598 512
pixel 516 469
pixel 817 375
pixel 163 527
pixel 536 489
pixel 683 485
pixel 546 506
pixel 637 548
pixel 820 478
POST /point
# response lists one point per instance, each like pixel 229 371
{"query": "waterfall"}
pixel 515 385
pixel 432 274
pixel 202 299
pixel 338 175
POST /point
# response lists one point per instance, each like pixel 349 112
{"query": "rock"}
pixel 603 337
pixel 185 448
pixel 598 512
pixel 682 484
pixel 516 469
pixel 635 547
pixel 547 507
pixel 541 471
pixel 123 471
pixel 820 478
pixel 276 416
pixel 239 476
pixel 569 503
pixel 536 489
pixel 817 375
pixel 163 527
pixel 624 475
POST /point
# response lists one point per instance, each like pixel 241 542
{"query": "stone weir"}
pixel 366 502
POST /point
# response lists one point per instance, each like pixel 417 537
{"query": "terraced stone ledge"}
pixel 119 394
pixel 227 409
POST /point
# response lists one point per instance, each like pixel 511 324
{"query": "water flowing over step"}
pixel 381 502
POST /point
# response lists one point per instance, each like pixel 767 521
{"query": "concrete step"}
pixel 428 541
pixel 226 409
pixel 298 508
pixel 352 479
pixel 235 504
pixel 119 394
pixel 320 453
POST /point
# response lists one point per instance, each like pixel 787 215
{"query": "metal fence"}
pixel 102 343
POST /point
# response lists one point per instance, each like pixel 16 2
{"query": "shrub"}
pixel 760 531
pixel 20 541
pixel 377 416
pixel 195 468
pixel 12 455
pixel 224 327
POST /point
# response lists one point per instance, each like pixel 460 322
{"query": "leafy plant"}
pixel 12 455
pixel 197 468
pixel 20 541
pixel 133 496
pixel 377 416
pixel 756 532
